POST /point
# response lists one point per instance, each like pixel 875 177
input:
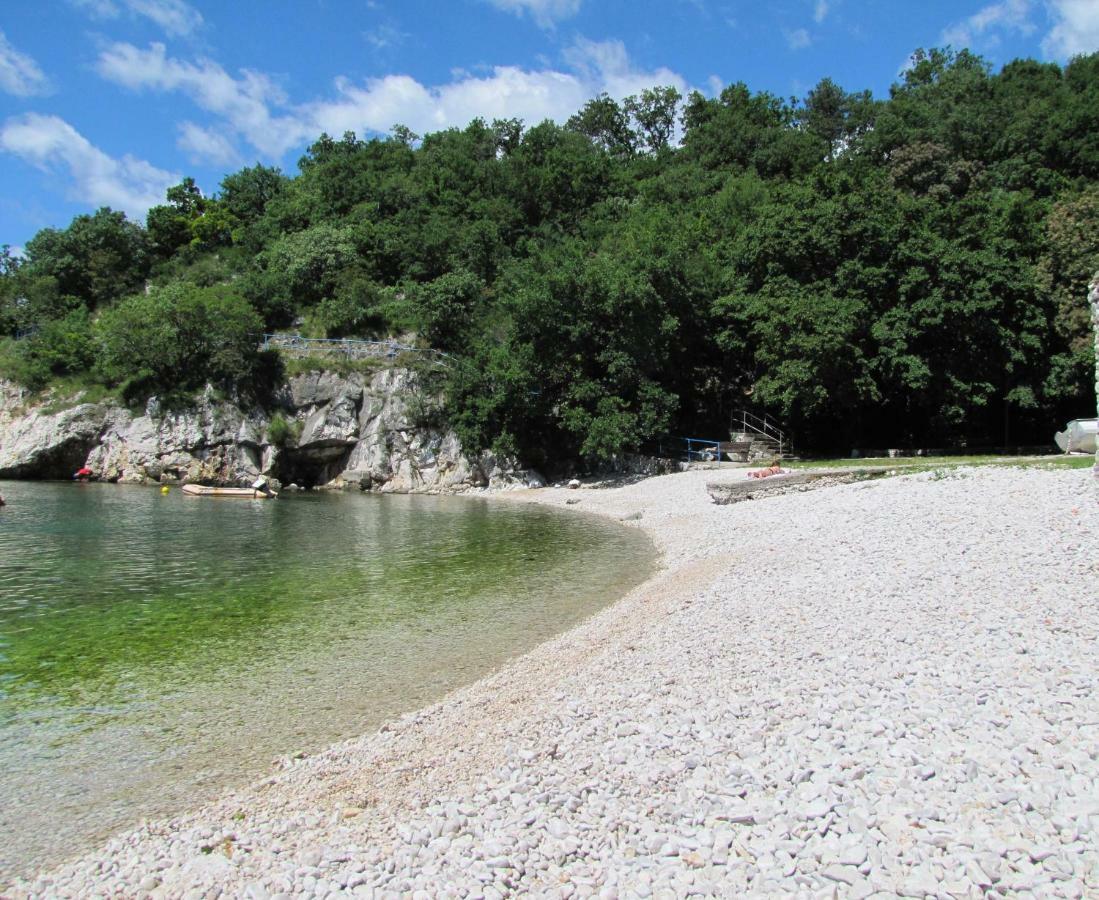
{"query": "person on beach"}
pixel 773 469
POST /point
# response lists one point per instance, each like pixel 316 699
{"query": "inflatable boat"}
pixel 201 490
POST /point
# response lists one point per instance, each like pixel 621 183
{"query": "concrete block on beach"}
pixel 726 492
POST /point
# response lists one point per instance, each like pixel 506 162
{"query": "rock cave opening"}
pixel 313 466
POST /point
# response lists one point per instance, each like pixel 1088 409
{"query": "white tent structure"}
pixel 1078 436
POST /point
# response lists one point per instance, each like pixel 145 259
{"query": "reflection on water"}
pixel 154 648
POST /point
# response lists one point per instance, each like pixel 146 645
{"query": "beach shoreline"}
pixel 633 754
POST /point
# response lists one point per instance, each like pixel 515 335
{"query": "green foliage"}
pixel 283 432
pixel 873 271
pixel 446 307
pixel 654 112
pixel 246 194
pixel 607 124
pixel 805 343
pixel 341 365
pixel 178 338
pixel 361 308
pixel 63 346
pixel 96 259
pixel 307 264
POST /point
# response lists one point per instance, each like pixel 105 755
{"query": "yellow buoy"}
pixel 164 489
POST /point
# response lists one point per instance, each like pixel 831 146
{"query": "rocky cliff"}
pixel 372 432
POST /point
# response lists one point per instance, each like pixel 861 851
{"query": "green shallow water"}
pixel 155 649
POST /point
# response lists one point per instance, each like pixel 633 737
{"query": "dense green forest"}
pixel 908 271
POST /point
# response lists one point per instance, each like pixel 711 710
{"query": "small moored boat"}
pixel 201 490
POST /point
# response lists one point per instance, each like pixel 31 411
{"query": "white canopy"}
pixel 1078 436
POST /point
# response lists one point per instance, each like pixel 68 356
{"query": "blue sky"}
pixel 108 102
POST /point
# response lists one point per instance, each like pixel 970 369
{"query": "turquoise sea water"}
pixel 157 648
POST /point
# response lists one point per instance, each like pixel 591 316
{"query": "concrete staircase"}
pixel 749 447
pixel 755 438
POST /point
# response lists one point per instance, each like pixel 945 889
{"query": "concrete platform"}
pixel 752 488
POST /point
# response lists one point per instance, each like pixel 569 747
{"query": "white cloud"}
pixel 176 17
pixel 206 145
pixel 982 28
pixel 53 145
pixel 505 92
pixel 545 12
pixel 798 39
pixel 607 66
pixel 100 9
pixel 19 74
pixel 243 102
pixel 380 103
pixel 820 11
pixel 252 107
pixel 1075 30
pixel 385 36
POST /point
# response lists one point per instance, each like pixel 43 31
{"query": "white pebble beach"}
pixel 877 689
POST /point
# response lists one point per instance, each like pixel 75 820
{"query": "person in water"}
pixel 82 474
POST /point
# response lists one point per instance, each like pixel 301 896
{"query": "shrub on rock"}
pixel 179 337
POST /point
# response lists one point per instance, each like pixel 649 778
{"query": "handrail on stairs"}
pixel 763 425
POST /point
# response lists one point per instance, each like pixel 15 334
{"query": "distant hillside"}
pixel 882 272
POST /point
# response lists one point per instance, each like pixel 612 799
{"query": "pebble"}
pixel 822 694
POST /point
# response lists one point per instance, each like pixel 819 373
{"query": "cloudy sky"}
pixel 108 102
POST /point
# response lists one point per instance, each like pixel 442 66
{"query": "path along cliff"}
pixel 377 431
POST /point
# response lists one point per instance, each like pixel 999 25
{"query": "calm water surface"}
pixel 157 648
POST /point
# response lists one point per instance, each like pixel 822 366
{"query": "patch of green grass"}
pixel 63 393
pixel 921 463
pixel 339 365
pixel 282 431
pixel 1056 462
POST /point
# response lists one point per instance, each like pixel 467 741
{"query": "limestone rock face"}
pixel 369 432
pixel 46 444
pixel 400 446
pixel 212 442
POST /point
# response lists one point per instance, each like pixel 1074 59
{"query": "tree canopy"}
pixel 908 270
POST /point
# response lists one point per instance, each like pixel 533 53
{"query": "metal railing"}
pixel 744 422
pixel 345 348
pixel 689 449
